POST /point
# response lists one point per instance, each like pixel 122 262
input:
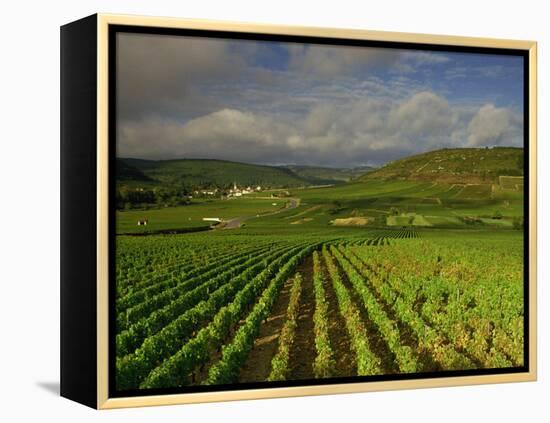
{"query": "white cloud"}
pixel 424 114
pixel 227 133
pixel 320 104
pixel 369 130
pixel 495 126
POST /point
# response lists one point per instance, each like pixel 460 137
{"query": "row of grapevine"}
pixel 324 360
pixel 142 262
pixel 203 282
pixel 473 308
pixel 280 368
pixel 179 369
pixel 473 339
pixel 195 305
pixel 170 343
pixel 405 357
pixel 428 338
pixel 405 233
pixel 134 280
pixel 164 282
pixel 380 240
pixel 138 267
pixel 367 362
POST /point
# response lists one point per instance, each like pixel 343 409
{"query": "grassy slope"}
pixel 432 205
pixel 461 165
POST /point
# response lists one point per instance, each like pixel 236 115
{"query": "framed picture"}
pixel 254 211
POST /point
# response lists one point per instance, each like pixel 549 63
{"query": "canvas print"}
pixel 290 212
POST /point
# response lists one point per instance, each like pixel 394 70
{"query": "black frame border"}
pixel 113 30
pixel 78 211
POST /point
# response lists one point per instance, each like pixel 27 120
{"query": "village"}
pixel 206 196
pixel 236 191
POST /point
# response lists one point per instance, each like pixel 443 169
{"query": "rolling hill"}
pixel 458 165
pixel 206 172
pixel 327 175
pixel 454 166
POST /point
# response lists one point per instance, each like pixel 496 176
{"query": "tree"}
pixel 381 220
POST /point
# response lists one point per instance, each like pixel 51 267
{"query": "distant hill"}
pixel 456 165
pixel 356 172
pixel 327 175
pixel 206 172
pixel 127 172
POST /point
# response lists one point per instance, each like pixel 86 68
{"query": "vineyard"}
pixel 229 308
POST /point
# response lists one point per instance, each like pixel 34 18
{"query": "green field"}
pixel 191 216
pixel 430 281
pixel 430 204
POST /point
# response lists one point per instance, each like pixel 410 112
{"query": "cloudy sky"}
pixel 287 103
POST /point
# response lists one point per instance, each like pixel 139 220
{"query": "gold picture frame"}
pixel 98 27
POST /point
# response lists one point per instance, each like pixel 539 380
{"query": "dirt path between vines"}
pixel 302 351
pixel 376 343
pixel 258 364
pixel 345 363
